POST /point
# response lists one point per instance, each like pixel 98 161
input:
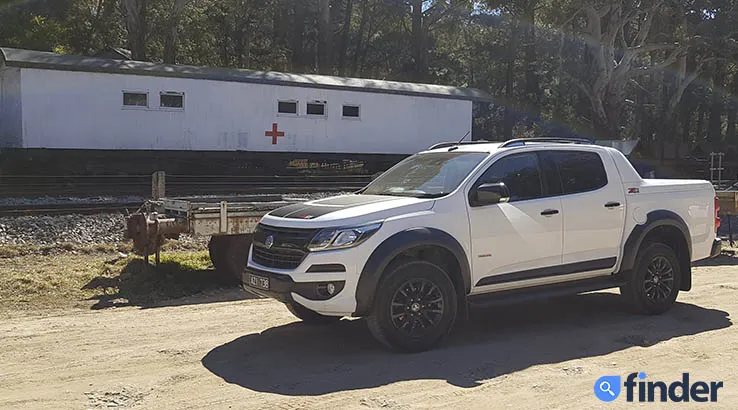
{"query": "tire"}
pixel 655 280
pixel 229 255
pixel 310 317
pixel 415 307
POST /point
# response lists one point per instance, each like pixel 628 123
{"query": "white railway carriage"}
pixel 62 102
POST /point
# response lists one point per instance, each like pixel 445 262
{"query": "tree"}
pixel 135 12
pixel 172 29
pixel 617 49
pixel 325 46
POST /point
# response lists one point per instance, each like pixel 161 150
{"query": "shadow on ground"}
pixel 171 283
pixel 727 258
pixel 296 359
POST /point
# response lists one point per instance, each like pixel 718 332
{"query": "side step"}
pixel 545 291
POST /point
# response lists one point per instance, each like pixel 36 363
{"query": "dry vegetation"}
pixel 100 275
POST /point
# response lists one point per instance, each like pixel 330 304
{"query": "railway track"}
pixel 66 209
pixel 31 186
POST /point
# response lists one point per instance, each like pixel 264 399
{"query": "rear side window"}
pixel 519 172
pixel 580 171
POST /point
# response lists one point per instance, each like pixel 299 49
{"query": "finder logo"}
pixel 607 388
pixel 638 389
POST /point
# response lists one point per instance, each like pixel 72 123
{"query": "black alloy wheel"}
pixel 654 282
pixel 658 282
pixel 415 306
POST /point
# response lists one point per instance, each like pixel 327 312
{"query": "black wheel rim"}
pixel 417 307
pixel 658 282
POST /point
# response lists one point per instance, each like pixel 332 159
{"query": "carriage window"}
pixel 171 100
pixel 316 108
pixel 287 107
pixel 350 111
pixel 135 99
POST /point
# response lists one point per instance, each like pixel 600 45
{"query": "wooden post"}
pixel 158 185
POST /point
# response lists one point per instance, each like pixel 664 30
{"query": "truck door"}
pixel 517 240
pixel 593 204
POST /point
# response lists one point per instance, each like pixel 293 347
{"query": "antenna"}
pixel 457 144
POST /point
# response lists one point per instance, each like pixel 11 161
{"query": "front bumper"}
pixel 283 288
pixel 717 246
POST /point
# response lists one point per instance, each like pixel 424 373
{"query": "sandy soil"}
pixel 222 352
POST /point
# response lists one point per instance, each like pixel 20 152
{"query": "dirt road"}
pixel 252 354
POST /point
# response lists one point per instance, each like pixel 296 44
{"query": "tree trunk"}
pixel 687 118
pixel 296 43
pixel 699 137
pixel 509 119
pixel 136 25
pixel 170 43
pixel 418 40
pixel 345 32
pixel 715 123
pixel 324 37
pixel 360 36
pixel 732 108
pixel 730 131
pixel 532 88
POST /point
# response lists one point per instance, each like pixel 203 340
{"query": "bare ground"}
pixel 220 350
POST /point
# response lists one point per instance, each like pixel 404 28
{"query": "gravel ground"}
pixel 81 229
pixel 68 201
pixel 48 230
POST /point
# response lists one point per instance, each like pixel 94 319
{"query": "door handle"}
pixel 548 212
pixel 612 204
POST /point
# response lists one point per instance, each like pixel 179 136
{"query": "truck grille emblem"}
pixel 269 241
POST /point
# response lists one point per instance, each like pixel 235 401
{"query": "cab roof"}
pixel 489 146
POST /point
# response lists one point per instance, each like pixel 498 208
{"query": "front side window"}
pixel 520 173
pixel 429 175
pixel 580 171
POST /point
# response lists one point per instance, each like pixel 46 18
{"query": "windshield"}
pixel 429 175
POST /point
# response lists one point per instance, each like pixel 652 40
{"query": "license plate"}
pixel 259 282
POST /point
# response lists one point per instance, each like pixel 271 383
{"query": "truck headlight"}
pixel 337 238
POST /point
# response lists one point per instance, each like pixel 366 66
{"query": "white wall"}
pixel 10 107
pixel 84 110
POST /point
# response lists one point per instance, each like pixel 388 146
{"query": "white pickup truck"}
pixel 466 224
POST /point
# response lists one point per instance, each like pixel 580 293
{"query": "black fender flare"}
pixel 655 219
pixel 394 246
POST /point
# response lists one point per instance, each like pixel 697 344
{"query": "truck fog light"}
pixel 331 288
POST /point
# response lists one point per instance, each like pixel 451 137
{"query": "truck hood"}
pixel 345 210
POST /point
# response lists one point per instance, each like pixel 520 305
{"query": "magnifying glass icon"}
pixel 605 387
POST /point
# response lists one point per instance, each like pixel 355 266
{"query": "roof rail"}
pixel 451 144
pixel 558 140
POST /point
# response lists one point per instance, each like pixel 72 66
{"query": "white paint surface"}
pixel 78 110
pixel 10 107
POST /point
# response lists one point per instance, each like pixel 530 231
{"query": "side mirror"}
pixel 490 194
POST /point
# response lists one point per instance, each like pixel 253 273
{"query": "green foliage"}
pixel 537 57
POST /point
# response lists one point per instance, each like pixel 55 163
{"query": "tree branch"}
pixel 670 59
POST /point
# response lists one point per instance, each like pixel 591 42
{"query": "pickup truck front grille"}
pixel 289 246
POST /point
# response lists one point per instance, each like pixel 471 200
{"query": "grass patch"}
pixel 107 279
pixel 14 251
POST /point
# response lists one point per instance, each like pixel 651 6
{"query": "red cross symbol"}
pixel 274 134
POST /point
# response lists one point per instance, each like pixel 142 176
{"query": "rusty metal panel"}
pixel 237 223
pixel 728 202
